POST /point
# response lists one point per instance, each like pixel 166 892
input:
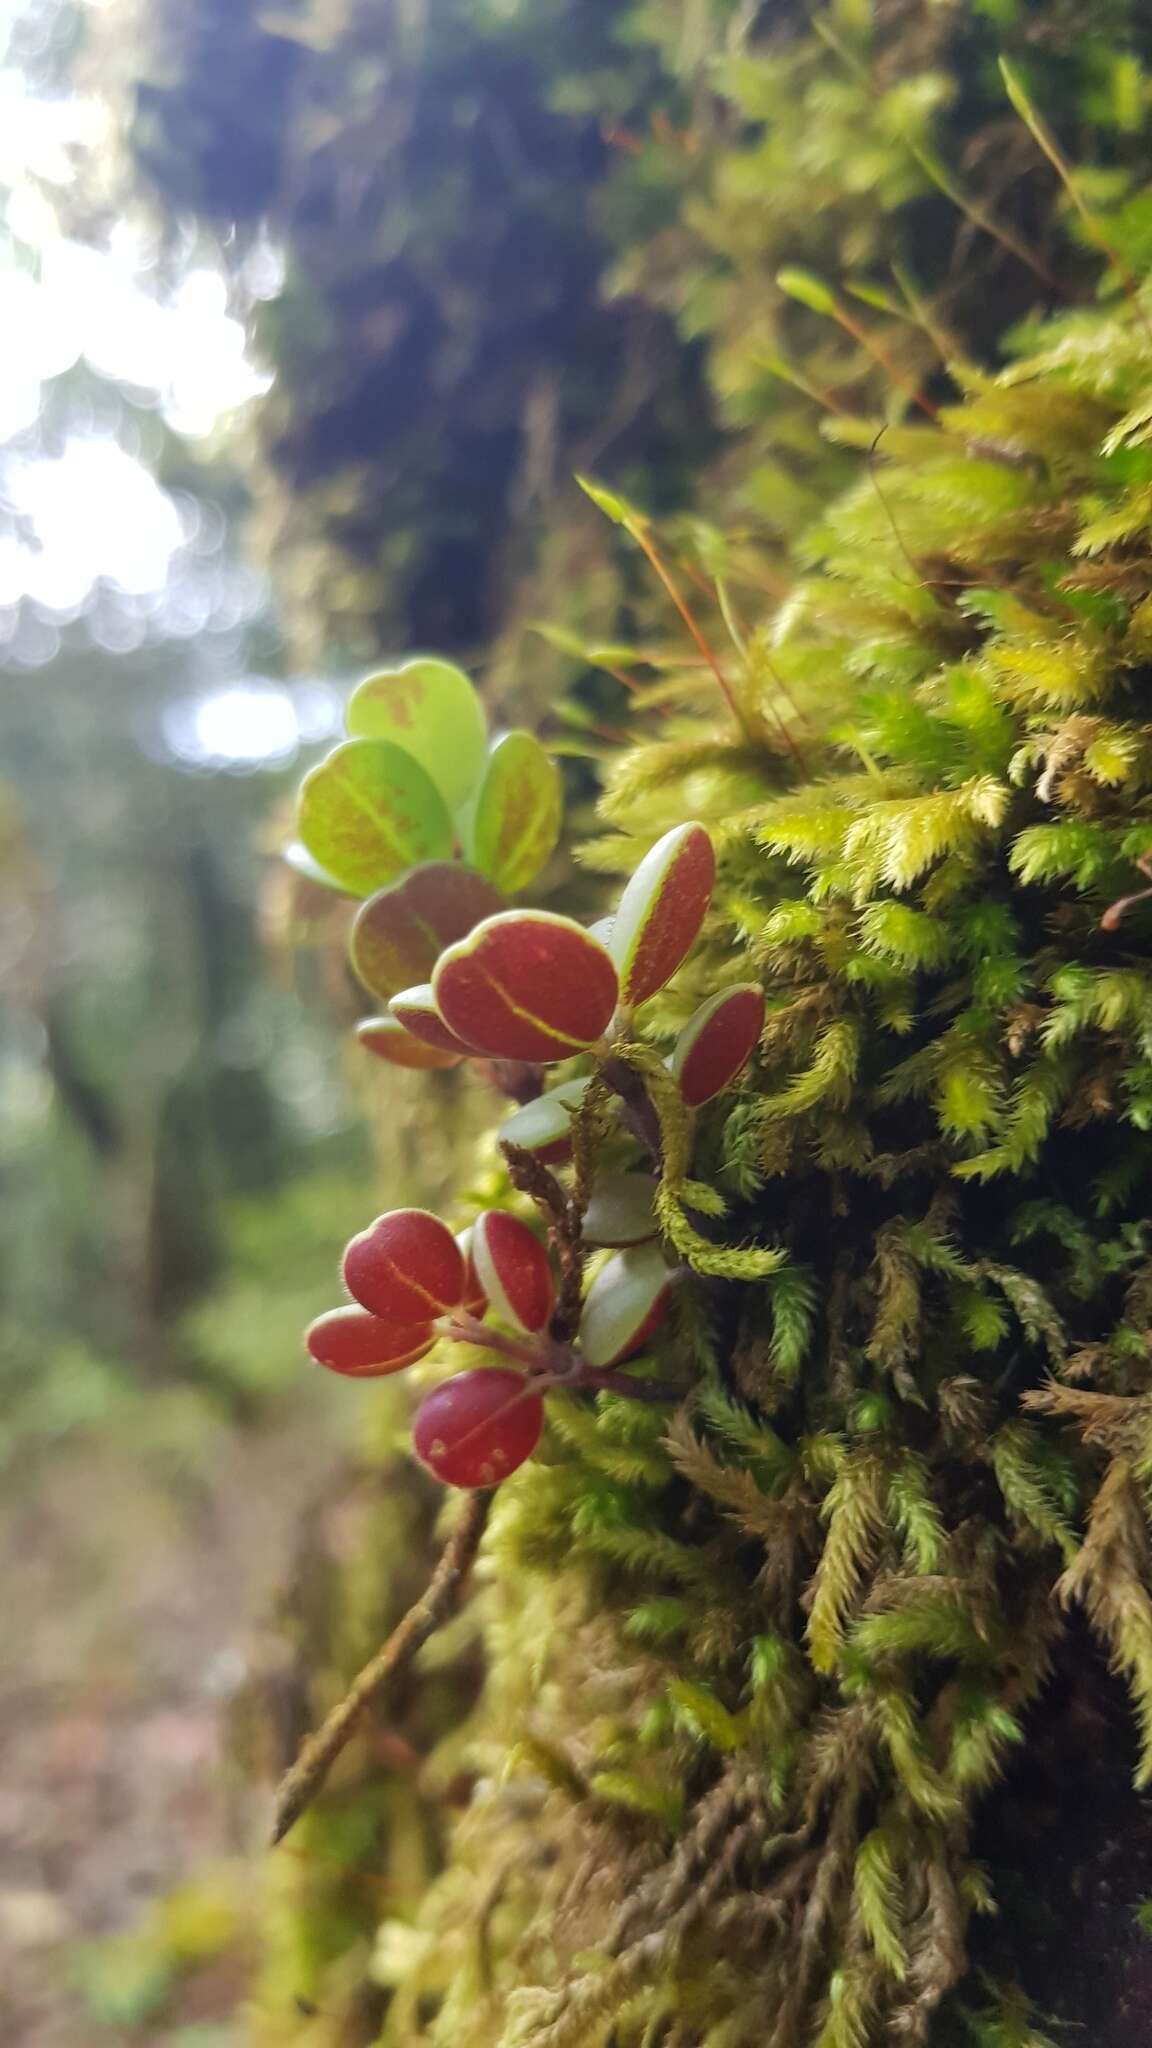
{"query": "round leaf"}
pixel 514 1270
pixel 475 1299
pixel 399 934
pixel 516 822
pixel 475 1429
pixel 526 985
pixel 661 911
pixel 300 860
pixel 406 1267
pixel 430 709
pixel 368 812
pixel 415 1009
pixel 717 1042
pixel 621 1210
pixel 362 1346
pixel 544 1127
pixel 389 1040
pixel 626 1302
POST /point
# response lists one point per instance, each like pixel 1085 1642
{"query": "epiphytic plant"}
pixel 434 828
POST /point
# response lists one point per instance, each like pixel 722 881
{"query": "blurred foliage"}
pixel 153 1078
pixel 481 206
pixel 444 358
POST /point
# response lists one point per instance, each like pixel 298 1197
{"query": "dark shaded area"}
pixel 445 353
pixel 1068 1849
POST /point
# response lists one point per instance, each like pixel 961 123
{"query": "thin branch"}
pixel 563 1215
pixel 299 1786
pixel 880 356
pixel 888 512
pixel 639 1112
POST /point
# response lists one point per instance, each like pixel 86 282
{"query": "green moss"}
pixel 814 1615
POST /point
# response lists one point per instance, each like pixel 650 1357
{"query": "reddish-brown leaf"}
pixel 406 1267
pixel 659 916
pixel 717 1042
pixel 392 1041
pixel 514 1270
pixel 399 934
pixel 526 985
pixel 362 1346
pixel 417 1010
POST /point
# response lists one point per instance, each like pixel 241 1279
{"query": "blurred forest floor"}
pixel 132 1595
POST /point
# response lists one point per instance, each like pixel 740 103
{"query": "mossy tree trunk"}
pixel 789 1697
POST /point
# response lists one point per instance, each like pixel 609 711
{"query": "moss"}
pixel 804 1631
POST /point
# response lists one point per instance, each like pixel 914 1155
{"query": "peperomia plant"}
pixel 435 828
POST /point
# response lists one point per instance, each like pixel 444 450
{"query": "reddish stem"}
pixel 652 555
pixel 549 1364
pixel 861 335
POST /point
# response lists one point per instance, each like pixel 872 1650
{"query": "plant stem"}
pixel 609 1382
pixel 462 1328
pixel 639 1114
pixel 299 1786
pixel 651 553
pixel 880 356
pixel 942 178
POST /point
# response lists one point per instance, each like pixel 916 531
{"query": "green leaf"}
pixel 300 860
pixel 368 812
pixel 879 1899
pixel 517 818
pixel 544 1126
pixel 621 1210
pixel 808 290
pixel 625 1304
pixel 703 1715
pixel 613 507
pixel 430 709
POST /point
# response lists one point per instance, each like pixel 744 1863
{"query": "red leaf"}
pixel 399 934
pixel 416 1009
pixel 659 916
pixel 526 985
pixel 717 1042
pixel 363 1346
pixel 392 1041
pixel 514 1270
pixel 406 1267
pixel 475 1299
pixel 478 1427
